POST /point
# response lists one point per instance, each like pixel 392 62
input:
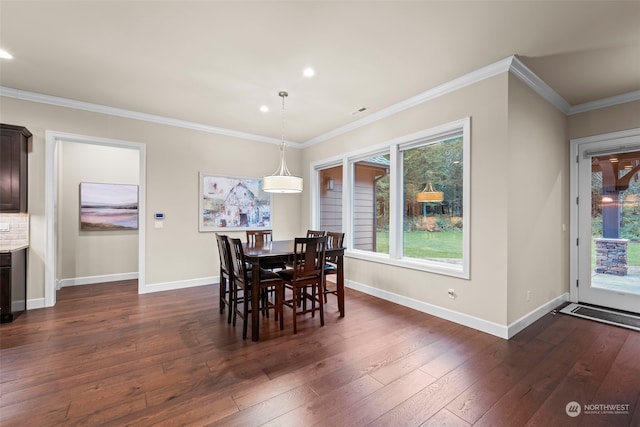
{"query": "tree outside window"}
pixel 433 202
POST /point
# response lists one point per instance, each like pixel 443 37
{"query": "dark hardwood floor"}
pixel 107 356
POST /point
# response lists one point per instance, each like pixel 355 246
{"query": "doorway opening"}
pixel 606 220
pixel 53 142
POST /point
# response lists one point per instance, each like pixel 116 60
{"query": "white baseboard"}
pixel 179 284
pixel 502 331
pixel 91 280
pixel 35 303
pixel 536 314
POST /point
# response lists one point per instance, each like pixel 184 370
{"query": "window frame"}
pixel 394 148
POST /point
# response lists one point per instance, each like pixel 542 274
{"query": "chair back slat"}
pixel 308 257
pixel 237 260
pixel 334 240
pixel 224 252
pixel 259 237
pixel 315 233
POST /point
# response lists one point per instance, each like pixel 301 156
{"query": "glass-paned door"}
pixel 609 225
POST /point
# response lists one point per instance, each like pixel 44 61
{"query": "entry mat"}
pixel 612 317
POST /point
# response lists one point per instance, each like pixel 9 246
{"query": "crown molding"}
pixel 523 72
pixel 510 64
pixel 128 114
pixel 605 102
pixel 473 77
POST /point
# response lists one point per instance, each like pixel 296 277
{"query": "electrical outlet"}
pixel 4 226
pixel 528 296
pixel 451 293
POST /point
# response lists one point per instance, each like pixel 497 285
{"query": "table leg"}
pixel 255 301
pixel 340 284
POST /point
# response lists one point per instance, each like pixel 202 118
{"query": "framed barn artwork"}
pixel 233 204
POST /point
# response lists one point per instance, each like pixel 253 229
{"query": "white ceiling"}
pixel 216 62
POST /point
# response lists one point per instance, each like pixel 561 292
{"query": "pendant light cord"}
pixel 283 170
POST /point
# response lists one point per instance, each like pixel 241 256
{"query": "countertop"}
pixel 5 249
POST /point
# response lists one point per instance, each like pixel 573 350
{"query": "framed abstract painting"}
pixel 108 206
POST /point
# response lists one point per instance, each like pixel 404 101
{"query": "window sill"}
pixel 453 270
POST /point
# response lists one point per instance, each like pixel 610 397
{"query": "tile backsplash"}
pixel 18 225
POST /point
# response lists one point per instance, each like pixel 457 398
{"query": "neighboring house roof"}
pixel 380 160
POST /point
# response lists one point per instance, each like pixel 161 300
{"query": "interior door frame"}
pixel 617 139
pixel 52 141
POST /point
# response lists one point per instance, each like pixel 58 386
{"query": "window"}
pixel 330 198
pixel 371 204
pixel 432 218
pixel 404 202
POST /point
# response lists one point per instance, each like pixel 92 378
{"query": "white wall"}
pixel 88 254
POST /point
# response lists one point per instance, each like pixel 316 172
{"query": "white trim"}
pixel 437 267
pixel 34 304
pixel 50 219
pixel 180 284
pixel 314 170
pixel 52 138
pixel 314 186
pixel 468 79
pixel 605 102
pixel 536 314
pixel 616 141
pixel 623 134
pixel 134 115
pixel 510 64
pixel 443 313
pixel 91 280
pixel 391 147
pixel 477 323
pixel 573 220
pixel 521 71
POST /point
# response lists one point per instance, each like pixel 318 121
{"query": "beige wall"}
pixel 519 179
pixel 485 294
pixel 605 120
pixel 538 209
pixel 178 252
pixel 93 253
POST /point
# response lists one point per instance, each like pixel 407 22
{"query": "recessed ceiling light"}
pixel 264 108
pixel 309 72
pixel 5 55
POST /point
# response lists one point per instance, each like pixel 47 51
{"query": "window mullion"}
pixel 395 203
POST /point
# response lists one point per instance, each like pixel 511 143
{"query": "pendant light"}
pixel 282 181
pixel 429 195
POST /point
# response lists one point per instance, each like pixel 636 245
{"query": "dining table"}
pixel 282 251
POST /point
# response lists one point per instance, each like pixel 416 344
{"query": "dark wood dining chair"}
pixel 242 284
pixel 226 278
pixel 259 237
pixel 315 233
pixel 334 240
pixel 305 277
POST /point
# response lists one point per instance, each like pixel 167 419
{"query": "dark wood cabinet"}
pixel 13 284
pixel 14 142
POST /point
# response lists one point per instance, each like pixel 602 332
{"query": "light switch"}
pixel 158 224
pixel 4 226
